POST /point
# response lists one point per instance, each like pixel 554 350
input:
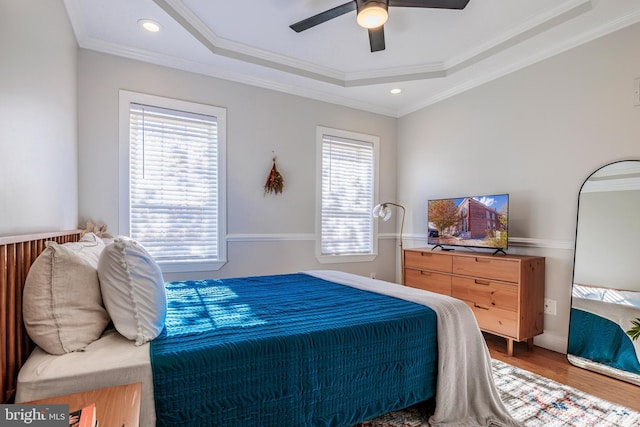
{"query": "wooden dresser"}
pixel 505 292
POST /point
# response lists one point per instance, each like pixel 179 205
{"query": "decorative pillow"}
pixel 62 304
pixel 133 290
pixel 89 248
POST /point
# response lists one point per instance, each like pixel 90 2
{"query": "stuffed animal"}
pixel 98 230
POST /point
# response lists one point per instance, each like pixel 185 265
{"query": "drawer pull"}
pixel 482 260
pixel 482 282
pixel 480 307
pixel 424 273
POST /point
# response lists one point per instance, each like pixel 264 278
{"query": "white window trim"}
pixel 375 140
pixel 125 99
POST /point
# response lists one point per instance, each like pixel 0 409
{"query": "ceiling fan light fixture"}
pixel 372 15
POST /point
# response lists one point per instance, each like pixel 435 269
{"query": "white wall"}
pixel 536 134
pixel 38 146
pixel 268 233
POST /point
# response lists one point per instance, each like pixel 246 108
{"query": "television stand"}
pixel 498 251
pixel 505 293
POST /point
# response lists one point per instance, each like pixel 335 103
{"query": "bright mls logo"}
pixel 34 415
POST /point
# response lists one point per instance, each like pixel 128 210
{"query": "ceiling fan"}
pixel 372 14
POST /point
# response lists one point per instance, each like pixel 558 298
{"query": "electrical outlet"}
pixel 550 306
pixel 372 275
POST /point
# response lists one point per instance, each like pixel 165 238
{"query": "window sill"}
pixel 186 266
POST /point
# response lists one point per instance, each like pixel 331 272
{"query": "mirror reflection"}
pixel 604 331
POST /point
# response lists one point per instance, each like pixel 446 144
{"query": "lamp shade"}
pixel 372 15
pixel 382 211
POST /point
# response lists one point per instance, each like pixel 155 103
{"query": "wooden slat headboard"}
pixel 17 253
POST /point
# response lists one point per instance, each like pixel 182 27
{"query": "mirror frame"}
pixel 576 360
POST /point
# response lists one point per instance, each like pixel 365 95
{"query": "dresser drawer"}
pixel 496 320
pixel 486 293
pixel 487 267
pixel 428 261
pixel 428 280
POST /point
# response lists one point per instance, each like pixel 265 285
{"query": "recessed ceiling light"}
pixel 150 25
pixel 395 91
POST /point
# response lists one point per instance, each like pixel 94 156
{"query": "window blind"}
pixel 174 183
pixel 347 196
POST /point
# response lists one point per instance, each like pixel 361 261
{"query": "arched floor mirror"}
pixel 604 331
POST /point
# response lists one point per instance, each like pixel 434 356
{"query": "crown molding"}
pixel 217 72
pixel 219 46
pixel 185 17
pixel 520 33
pixel 560 47
pixel 621 184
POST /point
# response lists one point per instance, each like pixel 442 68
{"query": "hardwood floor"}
pixel 555 366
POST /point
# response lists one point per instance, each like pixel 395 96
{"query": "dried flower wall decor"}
pixel 275 180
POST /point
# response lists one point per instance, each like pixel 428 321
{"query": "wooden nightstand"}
pixel 117 406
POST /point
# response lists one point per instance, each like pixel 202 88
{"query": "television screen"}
pixel 479 221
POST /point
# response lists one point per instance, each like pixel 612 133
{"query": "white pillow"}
pixel 133 290
pixel 89 248
pixel 62 304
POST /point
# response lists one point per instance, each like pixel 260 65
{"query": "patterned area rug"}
pixel 534 401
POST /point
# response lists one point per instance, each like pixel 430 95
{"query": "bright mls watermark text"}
pixel 34 415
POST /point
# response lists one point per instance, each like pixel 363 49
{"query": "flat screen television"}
pixel 474 221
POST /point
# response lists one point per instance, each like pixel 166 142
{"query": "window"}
pixel 347 182
pixel 172 180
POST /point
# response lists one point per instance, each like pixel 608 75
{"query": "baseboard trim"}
pixel 552 341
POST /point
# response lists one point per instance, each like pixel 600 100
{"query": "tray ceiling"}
pixel 430 54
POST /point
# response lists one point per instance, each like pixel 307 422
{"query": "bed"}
pixel 320 368
pixel 600 319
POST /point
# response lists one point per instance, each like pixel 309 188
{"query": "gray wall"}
pixel 536 134
pixel 268 233
pixel 38 161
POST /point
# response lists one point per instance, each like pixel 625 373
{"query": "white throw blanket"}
pixel 466 394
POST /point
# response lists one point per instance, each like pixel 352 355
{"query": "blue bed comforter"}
pixel 289 350
pixel 601 340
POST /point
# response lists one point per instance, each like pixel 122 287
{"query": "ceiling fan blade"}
pixel 376 38
pixel 436 4
pixel 325 16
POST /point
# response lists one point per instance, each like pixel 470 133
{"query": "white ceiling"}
pixel 430 54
